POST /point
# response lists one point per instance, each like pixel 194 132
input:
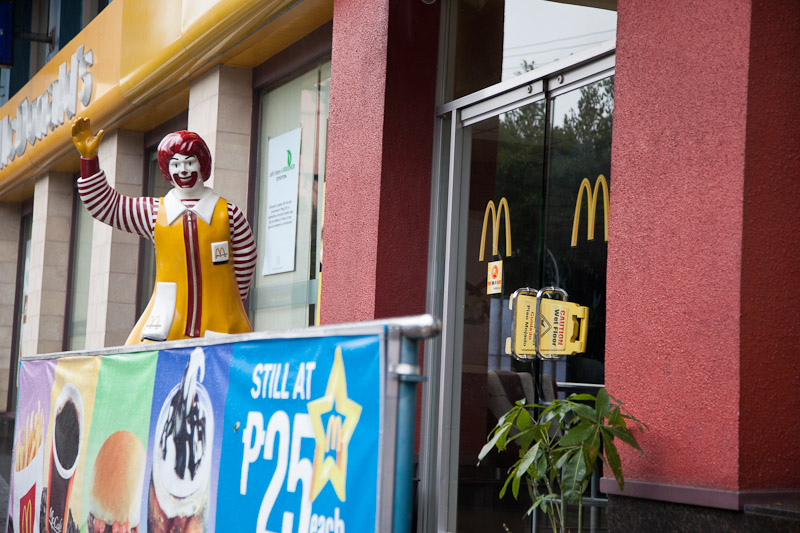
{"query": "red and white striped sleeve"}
pixel 243 248
pixel 134 215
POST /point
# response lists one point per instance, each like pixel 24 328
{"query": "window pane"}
pixel 580 157
pixel 22 307
pixel 81 264
pixel 499 39
pixel 287 299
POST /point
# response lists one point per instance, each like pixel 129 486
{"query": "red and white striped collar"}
pixel 204 208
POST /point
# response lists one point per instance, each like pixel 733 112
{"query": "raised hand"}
pixel 82 137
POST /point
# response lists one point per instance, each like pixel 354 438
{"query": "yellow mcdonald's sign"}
pixel 496 214
pixel 592 208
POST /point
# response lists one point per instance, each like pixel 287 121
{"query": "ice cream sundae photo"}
pixel 180 480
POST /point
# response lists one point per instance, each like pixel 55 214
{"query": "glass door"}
pixel 506 176
pixel 527 204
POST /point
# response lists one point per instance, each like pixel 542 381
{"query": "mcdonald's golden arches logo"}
pixel 27 518
pixel 591 201
pixel 496 214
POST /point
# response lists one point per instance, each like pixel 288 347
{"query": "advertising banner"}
pixel 267 435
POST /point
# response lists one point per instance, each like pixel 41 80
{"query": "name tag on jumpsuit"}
pixel 219 252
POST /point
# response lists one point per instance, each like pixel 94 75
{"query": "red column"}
pixel 380 137
pixel 770 293
pixel 702 339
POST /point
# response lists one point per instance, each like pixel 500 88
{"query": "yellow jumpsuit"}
pixel 207 293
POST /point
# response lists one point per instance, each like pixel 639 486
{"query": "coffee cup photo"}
pixel 67 439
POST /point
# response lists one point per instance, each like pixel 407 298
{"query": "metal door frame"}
pixel 439 428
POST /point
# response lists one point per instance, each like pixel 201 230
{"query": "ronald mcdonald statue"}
pixel 205 251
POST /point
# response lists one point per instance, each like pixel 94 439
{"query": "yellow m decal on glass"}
pixel 592 208
pixel 496 214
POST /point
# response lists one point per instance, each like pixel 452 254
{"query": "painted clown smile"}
pixel 185 170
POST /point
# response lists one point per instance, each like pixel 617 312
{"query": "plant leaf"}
pixel 585 412
pixel 489 445
pixel 524 419
pixel 515 487
pixel 577 435
pixel 541 466
pixel 526 437
pixel 572 479
pixel 539 431
pixel 503 419
pixel 501 441
pixel 581 398
pixel 615 417
pixel 539 501
pixel 602 404
pixel 624 434
pixel 547 499
pixel 605 461
pixel 505 485
pixel 527 460
pixel 591 448
pixel 614 461
pixel 563 459
pixel 639 424
pixel 551 411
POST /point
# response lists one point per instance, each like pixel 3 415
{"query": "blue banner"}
pixel 301 438
pixel 274 435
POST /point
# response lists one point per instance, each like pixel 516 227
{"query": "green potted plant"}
pixel 559 447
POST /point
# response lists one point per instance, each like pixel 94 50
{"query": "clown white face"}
pixel 185 171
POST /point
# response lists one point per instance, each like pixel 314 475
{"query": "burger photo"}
pixel 116 492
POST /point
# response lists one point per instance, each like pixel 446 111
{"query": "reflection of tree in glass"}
pixel 520 159
pixel 581 149
pixel 583 143
pixel 519 172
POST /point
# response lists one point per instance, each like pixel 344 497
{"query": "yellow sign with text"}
pixel 563 328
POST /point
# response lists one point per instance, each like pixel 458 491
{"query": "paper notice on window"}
pixel 283 176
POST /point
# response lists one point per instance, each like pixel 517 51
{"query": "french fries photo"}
pixel 30 439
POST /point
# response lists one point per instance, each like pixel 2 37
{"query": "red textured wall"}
pixel 704 255
pixel 407 158
pixel 675 246
pixel 770 349
pixel 354 158
pixel 378 170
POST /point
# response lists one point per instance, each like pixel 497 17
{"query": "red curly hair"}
pixel 184 143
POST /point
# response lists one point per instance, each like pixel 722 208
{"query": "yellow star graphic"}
pixel 336 436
